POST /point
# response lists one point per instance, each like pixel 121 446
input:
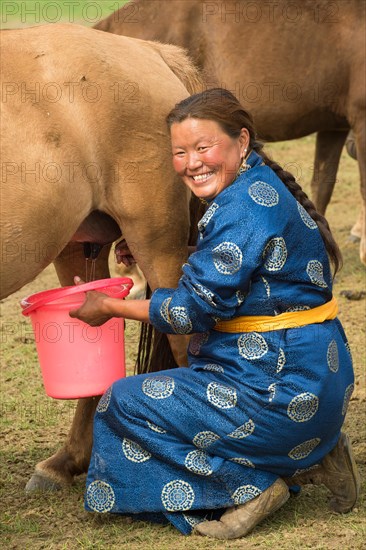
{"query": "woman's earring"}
pixel 244 166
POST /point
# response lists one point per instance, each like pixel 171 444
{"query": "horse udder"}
pixel 98 228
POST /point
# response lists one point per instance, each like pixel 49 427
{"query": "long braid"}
pixel 295 189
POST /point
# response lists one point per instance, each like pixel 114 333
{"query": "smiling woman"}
pixel 212 448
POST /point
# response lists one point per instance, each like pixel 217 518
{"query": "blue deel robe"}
pixel 184 444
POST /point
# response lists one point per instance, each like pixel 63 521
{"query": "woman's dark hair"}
pixel 222 107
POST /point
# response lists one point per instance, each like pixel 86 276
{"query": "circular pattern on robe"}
pixel 297 308
pixel 104 401
pixel 244 430
pixel 332 356
pixel 197 341
pixel 100 496
pixel 164 310
pixel 303 470
pixel 245 493
pixel 204 293
pixel 303 407
pixel 193 520
pixel 205 439
pixel 227 258
pixel 155 428
pixel 315 271
pixel 134 452
pixel 304 449
pixel 348 348
pixel 275 254
pixel 281 361
pixel 177 495
pixel 272 392
pixel 263 194
pixel 266 286
pixel 158 387
pixel 243 461
pixel 252 345
pixel 213 368
pixel 202 224
pixel 198 463
pixel 347 397
pixel 306 218
pixel 221 396
pixel 180 320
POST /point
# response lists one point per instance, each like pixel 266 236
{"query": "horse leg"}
pixel 360 134
pixel 363 231
pixel 356 231
pixel 329 145
pixel 73 458
pixel 155 221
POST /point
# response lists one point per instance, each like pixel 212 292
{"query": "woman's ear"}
pixel 244 140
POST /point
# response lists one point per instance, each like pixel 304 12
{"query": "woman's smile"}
pixel 201 178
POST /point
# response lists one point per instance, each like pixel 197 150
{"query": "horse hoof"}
pixel 39 482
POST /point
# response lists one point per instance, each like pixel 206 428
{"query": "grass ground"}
pixel 33 425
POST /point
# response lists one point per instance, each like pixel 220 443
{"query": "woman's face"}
pixel 205 157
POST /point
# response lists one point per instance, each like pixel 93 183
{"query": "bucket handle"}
pixel 100 284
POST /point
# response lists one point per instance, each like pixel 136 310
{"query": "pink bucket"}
pixel 77 360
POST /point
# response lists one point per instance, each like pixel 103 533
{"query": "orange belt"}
pixel 290 319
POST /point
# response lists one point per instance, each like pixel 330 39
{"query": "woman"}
pixel 270 372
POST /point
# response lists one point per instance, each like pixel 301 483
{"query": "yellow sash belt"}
pixel 290 319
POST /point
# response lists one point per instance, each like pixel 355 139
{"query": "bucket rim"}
pixel 55 294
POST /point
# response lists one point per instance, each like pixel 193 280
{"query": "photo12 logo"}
pixel 255 11
pixel 53 92
pixel 72 11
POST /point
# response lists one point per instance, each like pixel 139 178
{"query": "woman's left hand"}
pixel 123 254
pixel 93 310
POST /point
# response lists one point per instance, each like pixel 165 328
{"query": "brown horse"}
pixel 85 156
pixel 297 65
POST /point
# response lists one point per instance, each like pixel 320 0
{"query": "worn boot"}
pixel 338 472
pixel 238 521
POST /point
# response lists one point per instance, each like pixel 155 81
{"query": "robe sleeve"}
pixel 217 276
